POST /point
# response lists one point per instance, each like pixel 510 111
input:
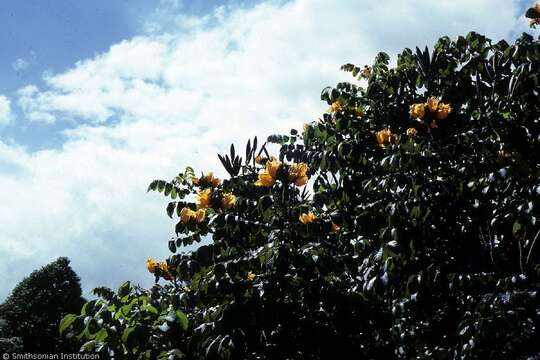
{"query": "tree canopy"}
pixel 33 310
pixel 401 224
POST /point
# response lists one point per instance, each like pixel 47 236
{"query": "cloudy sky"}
pixel 99 97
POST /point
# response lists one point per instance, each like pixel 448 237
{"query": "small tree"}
pixel 419 238
pixel 37 304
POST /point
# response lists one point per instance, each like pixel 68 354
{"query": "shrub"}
pixel 418 238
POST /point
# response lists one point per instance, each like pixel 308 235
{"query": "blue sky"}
pixel 99 97
pixel 51 36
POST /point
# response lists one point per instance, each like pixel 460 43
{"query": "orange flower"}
pixel 417 111
pixel 411 132
pixel 385 137
pixel 335 107
pixel 272 167
pixel 432 104
pixel 228 200
pixel 268 177
pixel 203 198
pixel 298 173
pixel 366 72
pixel 307 218
pixel 335 228
pixel 265 180
pixel 187 215
pixel 151 265
pixel 199 215
pixel 165 269
pixel 433 125
pixel 251 276
pixel 443 111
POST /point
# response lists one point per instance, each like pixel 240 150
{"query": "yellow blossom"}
pixel 417 110
pixel 187 215
pixel 411 132
pixel 335 107
pixel 199 215
pixel 272 167
pixel 298 173
pixel 228 200
pixel 151 265
pixel 335 228
pixel 165 269
pixel 307 218
pixel 366 72
pixel 265 180
pixel 203 198
pixel 251 276
pixel 268 177
pixel 432 104
pixel 384 137
pixel 443 111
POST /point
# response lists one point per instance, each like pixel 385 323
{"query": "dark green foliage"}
pixel 37 304
pixel 436 256
pixel 8 342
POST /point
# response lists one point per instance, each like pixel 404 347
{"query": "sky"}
pixel 99 98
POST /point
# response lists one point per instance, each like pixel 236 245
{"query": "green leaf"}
pixel 124 289
pixel 127 332
pixel 516 227
pixel 66 322
pixel 101 335
pixel 182 319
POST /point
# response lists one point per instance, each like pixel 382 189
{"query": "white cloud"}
pixel 6 115
pixel 156 103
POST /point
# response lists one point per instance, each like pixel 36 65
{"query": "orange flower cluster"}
pixel 436 108
pixel 385 137
pixel 268 177
pixel 152 265
pixel 335 107
pixel 366 72
pixel 307 218
pixel 204 199
pixel 411 132
pixel 187 215
pixel 296 173
pixel 251 276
